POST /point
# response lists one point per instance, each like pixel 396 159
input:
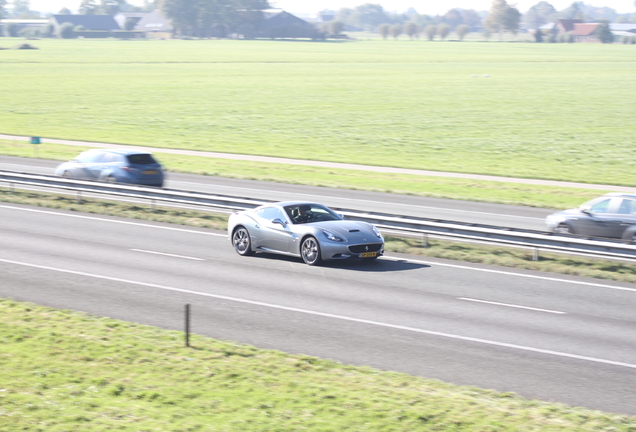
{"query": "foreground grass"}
pixel 437 187
pixel 68 371
pixel 459 251
pixel 517 110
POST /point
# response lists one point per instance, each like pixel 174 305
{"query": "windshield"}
pixel 308 213
pixel 597 205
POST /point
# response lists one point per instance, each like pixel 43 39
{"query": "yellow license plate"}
pixel 368 254
pixel 150 172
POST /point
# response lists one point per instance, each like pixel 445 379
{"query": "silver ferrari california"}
pixel 311 231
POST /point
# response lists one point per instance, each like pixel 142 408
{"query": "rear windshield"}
pixel 141 159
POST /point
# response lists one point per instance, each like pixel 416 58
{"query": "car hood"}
pixel 569 212
pixel 352 231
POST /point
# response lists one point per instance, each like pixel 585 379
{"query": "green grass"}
pixel 551 111
pixel 458 251
pixel 438 187
pixel 68 371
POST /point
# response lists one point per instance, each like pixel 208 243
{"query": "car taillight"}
pixel 129 169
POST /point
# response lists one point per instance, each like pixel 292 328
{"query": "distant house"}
pixel 89 22
pixel 623 30
pixel 280 24
pixel 566 25
pixel 122 17
pixel 24 23
pixel 155 25
pixel 584 32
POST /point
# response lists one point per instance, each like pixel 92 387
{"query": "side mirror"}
pixel 279 221
pixel 341 215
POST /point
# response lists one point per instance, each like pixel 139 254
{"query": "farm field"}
pixel 549 111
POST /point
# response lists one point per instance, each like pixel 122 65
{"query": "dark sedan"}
pixel 612 215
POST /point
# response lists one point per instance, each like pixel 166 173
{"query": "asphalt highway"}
pixel 543 336
pixel 443 209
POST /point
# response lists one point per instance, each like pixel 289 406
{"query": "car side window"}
pixel 102 158
pixel 601 206
pixel 87 157
pixel 271 213
pixel 627 206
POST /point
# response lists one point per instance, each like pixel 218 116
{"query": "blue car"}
pixel 114 166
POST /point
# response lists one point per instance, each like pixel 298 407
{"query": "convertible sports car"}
pixel 311 231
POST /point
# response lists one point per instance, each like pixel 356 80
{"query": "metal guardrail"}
pixel 537 240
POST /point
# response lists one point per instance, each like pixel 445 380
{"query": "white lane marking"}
pixel 385 256
pixel 430 263
pixel 115 221
pixel 167 254
pixel 511 305
pixel 365 201
pixel 334 316
pixel 11 167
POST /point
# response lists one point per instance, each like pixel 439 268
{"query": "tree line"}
pixel 501 17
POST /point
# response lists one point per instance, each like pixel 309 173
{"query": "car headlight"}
pixel 331 236
pixel 376 231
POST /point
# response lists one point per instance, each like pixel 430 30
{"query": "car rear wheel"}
pixel 310 251
pixel 630 236
pixel 111 179
pixel 67 174
pixel 564 229
pixel 241 241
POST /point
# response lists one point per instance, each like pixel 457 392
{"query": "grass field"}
pixel 65 371
pixel 551 111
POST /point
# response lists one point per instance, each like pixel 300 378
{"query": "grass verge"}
pixel 68 371
pixel 459 251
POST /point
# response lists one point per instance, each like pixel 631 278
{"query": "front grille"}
pixel 374 247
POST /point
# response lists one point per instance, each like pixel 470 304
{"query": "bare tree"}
pixel 430 31
pixel 443 30
pixel 88 7
pixel 384 29
pixel 396 30
pixel 411 29
pixel 462 30
pixel 502 17
pixel 336 27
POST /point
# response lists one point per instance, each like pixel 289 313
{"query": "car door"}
pixel 601 219
pixel 97 165
pixel 80 163
pixel 625 217
pixel 273 235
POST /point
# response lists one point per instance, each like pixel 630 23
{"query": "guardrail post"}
pixel 187 325
pixel 424 240
pixel 11 187
pixel 152 205
pixel 535 254
pixel 78 198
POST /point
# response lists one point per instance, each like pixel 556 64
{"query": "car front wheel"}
pixel 241 241
pixel 564 229
pixel 310 251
